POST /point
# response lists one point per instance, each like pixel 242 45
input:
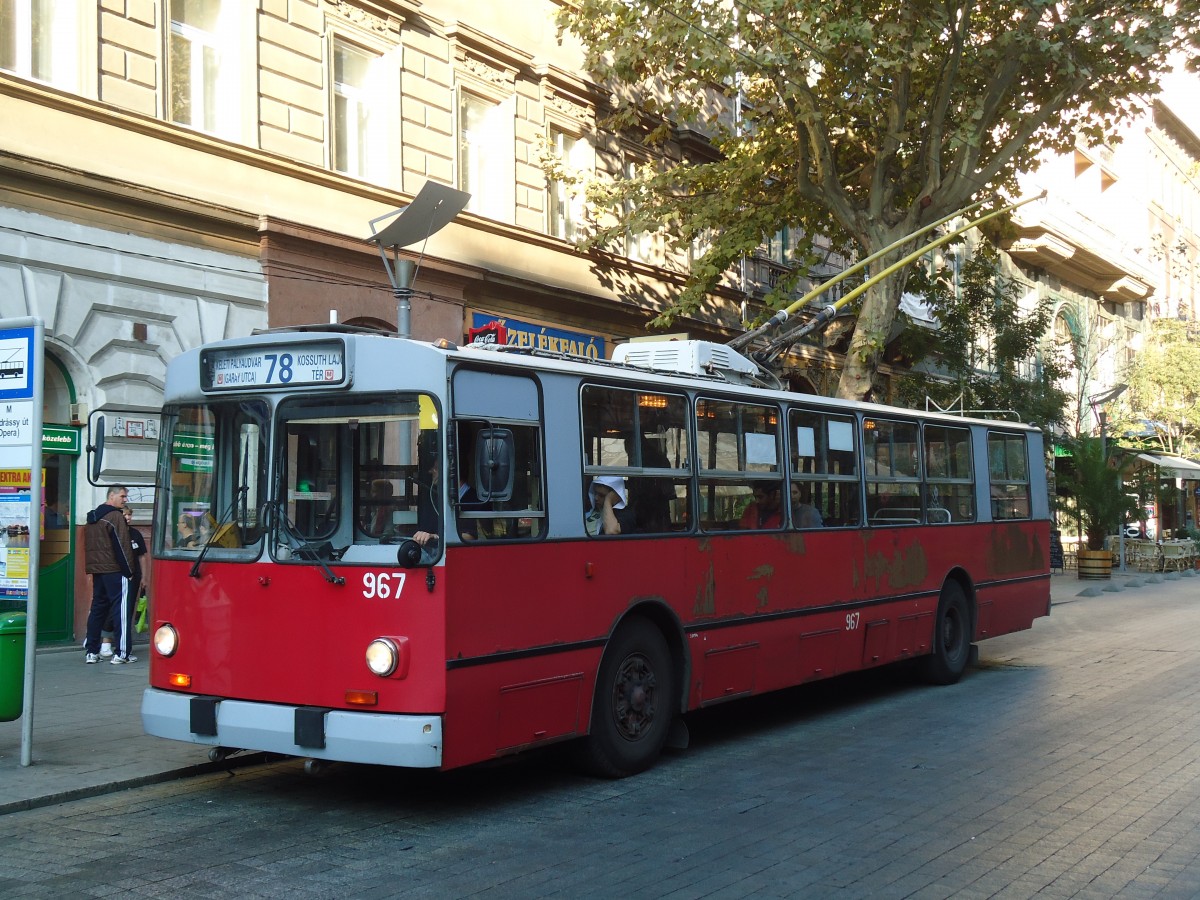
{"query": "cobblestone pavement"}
pixel 1065 765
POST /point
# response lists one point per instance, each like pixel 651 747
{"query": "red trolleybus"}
pixel 378 550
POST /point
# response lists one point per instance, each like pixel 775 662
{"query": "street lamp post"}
pixel 432 209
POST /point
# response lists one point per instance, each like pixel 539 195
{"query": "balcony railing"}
pixel 762 275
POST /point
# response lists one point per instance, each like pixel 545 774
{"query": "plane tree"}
pixel 856 121
pixel 1163 402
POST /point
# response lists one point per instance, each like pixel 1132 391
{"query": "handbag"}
pixel 139 624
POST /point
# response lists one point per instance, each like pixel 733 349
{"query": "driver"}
pixel 429 512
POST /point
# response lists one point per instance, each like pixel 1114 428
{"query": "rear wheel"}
pixel 951 637
pixel 634 703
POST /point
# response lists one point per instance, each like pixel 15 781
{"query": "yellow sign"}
pixel 18 562
pixel 17 479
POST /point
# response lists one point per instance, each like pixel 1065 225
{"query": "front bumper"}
pixel 348 735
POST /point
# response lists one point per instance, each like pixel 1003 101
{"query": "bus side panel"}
pixel 813 604
pixel 502 707
pixel 526 627
pixel 526 623
pixel 283 634
pixel 1014 587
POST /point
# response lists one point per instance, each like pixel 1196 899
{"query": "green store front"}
pixel 61 447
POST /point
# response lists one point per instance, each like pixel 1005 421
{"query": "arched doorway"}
pixel 61 447
pixel 800 384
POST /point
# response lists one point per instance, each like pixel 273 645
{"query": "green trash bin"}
pixel 12 665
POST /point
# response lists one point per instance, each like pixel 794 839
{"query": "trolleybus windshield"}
pixel 353 480
pixel 213 479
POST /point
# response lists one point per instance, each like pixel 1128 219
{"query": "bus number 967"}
pixel 382 584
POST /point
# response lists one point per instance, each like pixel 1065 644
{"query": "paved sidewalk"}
pixel 87 735
pixel 87 730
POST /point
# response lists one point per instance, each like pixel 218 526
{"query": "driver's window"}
pixel 398 483
pixel 358 480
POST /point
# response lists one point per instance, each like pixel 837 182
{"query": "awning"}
pixel 1173 466
pixel 915 307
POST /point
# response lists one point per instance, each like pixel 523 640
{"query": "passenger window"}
pixel 824 489
pixel 949 477
pixel 1008 471
pixel 892 457
pixel 741 479
pixel 638 442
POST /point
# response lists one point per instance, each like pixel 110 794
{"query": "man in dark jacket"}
pixel 109 559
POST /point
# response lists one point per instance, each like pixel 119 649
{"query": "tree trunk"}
pixel 875 319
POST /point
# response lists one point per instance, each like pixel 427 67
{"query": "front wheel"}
pixel 634 703
pixel 951 638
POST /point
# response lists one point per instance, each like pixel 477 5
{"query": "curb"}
pixel 112 787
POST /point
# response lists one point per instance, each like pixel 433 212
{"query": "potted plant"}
pixel 1096 481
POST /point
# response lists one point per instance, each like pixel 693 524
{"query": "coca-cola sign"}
pixel 490 333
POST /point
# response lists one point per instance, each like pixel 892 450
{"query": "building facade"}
pixel 180 171
pixel 1116 246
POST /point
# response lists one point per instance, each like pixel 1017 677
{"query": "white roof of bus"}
pixel 525 358
pixel 552 362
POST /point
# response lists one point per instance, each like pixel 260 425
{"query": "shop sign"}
pixel 58 439
pixel 538 337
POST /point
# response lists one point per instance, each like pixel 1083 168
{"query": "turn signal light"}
pixel 178 679
pixel 362 698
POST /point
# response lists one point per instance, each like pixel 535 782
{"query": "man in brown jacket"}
pixel 108 558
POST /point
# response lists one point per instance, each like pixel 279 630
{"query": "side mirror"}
pixel 408 554
pixel 95 449
pixel 494 472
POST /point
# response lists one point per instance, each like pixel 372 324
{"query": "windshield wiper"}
pixel 219 530
pixel 303 549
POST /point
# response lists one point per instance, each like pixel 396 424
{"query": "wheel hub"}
pixel 633 698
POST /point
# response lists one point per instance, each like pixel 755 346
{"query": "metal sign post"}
pixel 22 354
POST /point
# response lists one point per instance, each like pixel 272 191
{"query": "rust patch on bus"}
pixel 906 567
pixel 765 574
pixel 795 542
pixel 1013 550
pixel 706 594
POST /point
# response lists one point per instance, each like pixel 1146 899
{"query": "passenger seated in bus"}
pixel 193 531
pixel 804 514
pixel 609 512
pixel 651 499
pixel 764 510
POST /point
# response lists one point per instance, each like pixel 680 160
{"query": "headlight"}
pixel 382 657
pixel 166 640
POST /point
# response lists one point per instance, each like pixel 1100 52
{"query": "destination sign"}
pixel 320 363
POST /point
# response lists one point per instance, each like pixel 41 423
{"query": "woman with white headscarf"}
pixel 609 512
